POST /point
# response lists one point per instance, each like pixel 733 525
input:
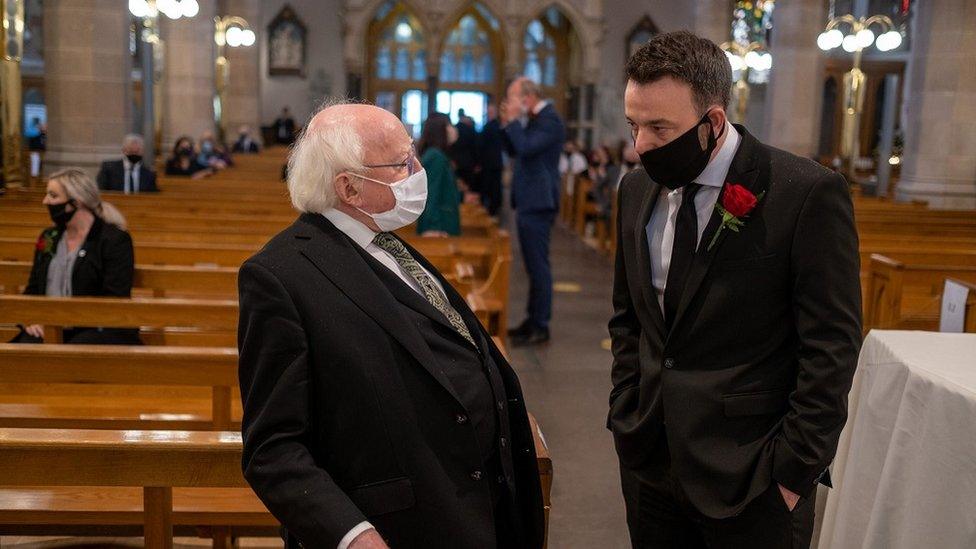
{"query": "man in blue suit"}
pixel 534 135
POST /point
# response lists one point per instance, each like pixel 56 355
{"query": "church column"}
pixel 87 64
pixel 713 20
pixel 939 161
pixel 243 95
pixel 188 82
pixel 794 95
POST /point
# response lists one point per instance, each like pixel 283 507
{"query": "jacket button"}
pixel 476 475
pixel 461 419
pixel 501 405
pixel 503 442
pixel 669 363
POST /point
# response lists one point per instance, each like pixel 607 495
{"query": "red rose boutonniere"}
pixel 737 203
pixel 45 244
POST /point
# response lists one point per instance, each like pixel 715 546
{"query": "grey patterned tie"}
pixel 394 247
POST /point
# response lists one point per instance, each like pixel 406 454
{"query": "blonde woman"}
pixel 86 253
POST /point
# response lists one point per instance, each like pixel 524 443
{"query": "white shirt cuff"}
pixel 358 529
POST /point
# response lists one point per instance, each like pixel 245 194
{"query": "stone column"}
pixel 87 82
pixel 939 162
pixel 188 84
pixel 243 93
pixel 794 95
pixel 713 20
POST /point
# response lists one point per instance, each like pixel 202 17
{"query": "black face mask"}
pixel 134 158
pixel 679 162
pixel 59 213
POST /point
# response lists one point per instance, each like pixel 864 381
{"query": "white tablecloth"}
pixel 905 472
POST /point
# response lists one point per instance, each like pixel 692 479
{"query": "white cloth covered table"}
pixel 905 471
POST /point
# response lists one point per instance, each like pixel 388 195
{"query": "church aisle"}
pixel 566 384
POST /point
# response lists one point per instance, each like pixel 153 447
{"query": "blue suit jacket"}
pixel 536 149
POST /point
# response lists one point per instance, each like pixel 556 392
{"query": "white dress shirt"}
pixel 363 237
pixel 130 183
pixel 660 229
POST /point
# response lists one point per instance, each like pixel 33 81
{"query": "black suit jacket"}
pixel 464 151
pixel 491 144
pixel 252 146
pixel 104 266
pixel 111 177
pixel 750 385
pixel 347 414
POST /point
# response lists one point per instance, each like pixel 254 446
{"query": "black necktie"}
pixel 682 253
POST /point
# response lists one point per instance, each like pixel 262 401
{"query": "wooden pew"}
pixel 194 322
pixel 59 477
pixel 157 280
pixel 904 295
pixel 121 371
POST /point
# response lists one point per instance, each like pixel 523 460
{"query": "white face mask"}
pixel 411 197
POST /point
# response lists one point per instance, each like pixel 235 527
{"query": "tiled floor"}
pixel 566 385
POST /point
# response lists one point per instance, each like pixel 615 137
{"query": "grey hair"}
pixel 530 87
pixel 81 188
pixel 319 155
pixel 132 139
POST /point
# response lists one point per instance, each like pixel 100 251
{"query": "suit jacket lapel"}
pixel 335 257
pixel 404 293
pixel 644 254
pixel 455 299
pixel 745 171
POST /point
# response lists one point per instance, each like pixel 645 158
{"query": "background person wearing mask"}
pixel 128 174
pixel 184 160
pixel 245 143
pixel 535 147
pixel 86 253
pixel 212 154
pixel 442 215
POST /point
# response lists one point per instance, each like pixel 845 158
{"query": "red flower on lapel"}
pixel 737 202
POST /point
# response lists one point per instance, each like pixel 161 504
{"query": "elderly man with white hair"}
pixel 129 175
pixel 377 410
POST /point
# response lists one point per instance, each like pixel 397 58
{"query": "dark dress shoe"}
pixel 523 329
pixel 535 337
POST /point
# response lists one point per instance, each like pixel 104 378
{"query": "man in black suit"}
pixel 284 128
pixel 376 408
pixel 464 152
pixel 491 143
pixel 733 350
pixel 129 174
pixel 245 143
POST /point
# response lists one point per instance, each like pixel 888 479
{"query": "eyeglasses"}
pixel 410 163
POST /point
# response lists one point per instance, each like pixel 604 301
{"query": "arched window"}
pixel 397 49
pixel 547 43
pixel 467 55
pixel 401 51
pixel 470 64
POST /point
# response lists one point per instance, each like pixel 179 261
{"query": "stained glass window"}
pixel 467 54
pixel 400 52
pixel 541 63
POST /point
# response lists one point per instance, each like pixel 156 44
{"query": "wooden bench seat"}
pixel 191 315
pixel 214 369
pixel 159 280
pixel 904 295
pixel 153 461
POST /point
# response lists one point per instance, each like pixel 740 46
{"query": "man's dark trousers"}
pixel 534 230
